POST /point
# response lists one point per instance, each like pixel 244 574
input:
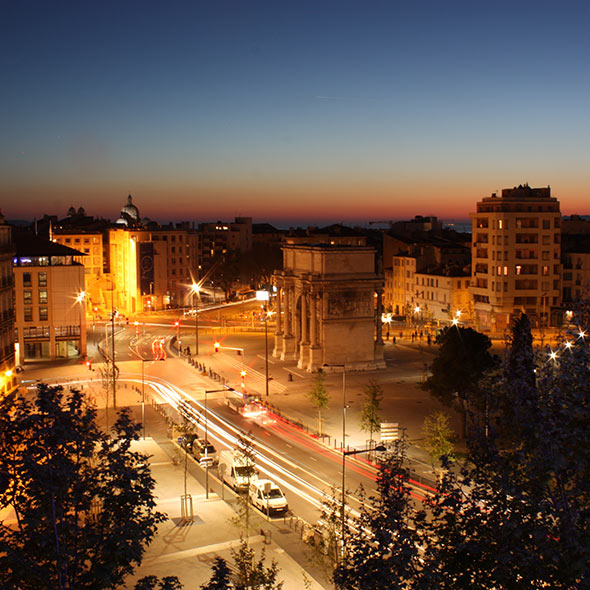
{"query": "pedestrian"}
pixel 394 339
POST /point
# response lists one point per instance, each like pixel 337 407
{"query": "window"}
pixel 546 240
pixel 518 269
pixel 545 270
pixel 28 297
pixel 43 296
pixel 500 223
pixel 43 315
pixel 545 255
pixel 28 314
pixel 546 223
pixel 42 278
pixel 26 279
pixel 505 270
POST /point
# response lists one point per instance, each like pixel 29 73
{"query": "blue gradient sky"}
pixel 335 110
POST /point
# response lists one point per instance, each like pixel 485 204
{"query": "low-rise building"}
pixel 49 300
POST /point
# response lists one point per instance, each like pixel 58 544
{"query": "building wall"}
pixel 515 257
pixel 8 380
pixel 50 319
pixel 576 276
pixel 403 284
pixel 441 298
pixel 91 243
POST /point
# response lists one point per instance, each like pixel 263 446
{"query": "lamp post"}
pixel 264 296
pixel 196 290
pixel 114 314
pixel 344 406
pixel 207 442
pixel 143 361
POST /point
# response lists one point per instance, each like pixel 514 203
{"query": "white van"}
pixel 236 470
pixel 268 497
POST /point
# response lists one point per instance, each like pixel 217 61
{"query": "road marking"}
pixel 261 356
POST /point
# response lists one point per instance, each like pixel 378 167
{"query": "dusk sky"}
pixel 335 111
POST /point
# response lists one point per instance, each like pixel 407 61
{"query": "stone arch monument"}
pixel 328 299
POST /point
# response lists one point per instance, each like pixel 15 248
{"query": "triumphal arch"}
pixel 328 299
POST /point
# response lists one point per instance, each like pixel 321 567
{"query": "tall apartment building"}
pixel 516 257
pixel 8 381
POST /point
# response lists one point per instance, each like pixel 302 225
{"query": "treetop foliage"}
pixel 82 503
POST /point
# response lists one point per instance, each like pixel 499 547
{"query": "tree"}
pixel 226 271
pixel 319 396
pixel 371 410
pixel 252 574
pixel 439 436
pixel 154 583
pixel 221 578
pixel 384 549
pixel 245 447
pixel 462 360
pixel 521 504
pixel 258 264
pixel 517 400
pixel 83 503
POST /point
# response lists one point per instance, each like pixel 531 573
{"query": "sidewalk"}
pixel 187 550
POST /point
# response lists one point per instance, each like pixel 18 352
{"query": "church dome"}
pixel 130 210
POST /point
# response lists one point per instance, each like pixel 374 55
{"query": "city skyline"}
pixel 329 112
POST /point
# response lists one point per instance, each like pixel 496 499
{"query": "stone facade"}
pixel 328 297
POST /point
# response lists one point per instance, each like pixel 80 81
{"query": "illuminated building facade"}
pixel 49 300
pixel 8 381
pixel 91 245
pixel 328 297
pixel 516 254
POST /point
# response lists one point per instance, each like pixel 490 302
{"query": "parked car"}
pixel 204 452
pixel 268 497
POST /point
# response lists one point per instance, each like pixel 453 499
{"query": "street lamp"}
pixel 196 290
pixel 114 314
pixel 207 442
pixel 344 406
pixel 143 361
pixel 265 296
